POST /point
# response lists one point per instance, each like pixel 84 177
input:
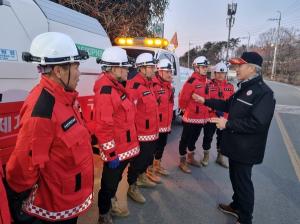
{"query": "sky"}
pixel 199 21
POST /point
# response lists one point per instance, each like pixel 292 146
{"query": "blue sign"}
pixel 8 55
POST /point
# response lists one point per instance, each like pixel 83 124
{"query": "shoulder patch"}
pixel 191 80
pixel 136 85
pixel 44 105
pixel 105 90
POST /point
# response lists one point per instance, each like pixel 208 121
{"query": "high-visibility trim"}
pixel 123 156
pixel 108 145
pixel 147 138
pixel 165 129
pixel 195 121
pixel 29 207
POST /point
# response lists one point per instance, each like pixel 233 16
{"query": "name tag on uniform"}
pixel 123 97
pixel 68 123
pixel 146 93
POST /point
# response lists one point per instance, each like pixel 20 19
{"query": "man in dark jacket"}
pixel 245 133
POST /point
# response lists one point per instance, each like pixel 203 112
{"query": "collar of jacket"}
pixel 254 79
pixel 115 83
pixel 220 82
pixel 143 80
pixel 200 77
pixel 159 80
pixel 58 91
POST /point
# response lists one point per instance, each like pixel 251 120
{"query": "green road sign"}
pixel 93 52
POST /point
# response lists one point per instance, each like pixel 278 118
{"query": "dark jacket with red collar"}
pixel 194 112
pixel 114 120
pixel 53 155
pixel 165 99
pixel 250 110
pixel 220 89
pixel 142 94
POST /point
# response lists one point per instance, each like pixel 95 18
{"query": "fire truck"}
pixel 20 22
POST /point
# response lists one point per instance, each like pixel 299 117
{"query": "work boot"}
pixel 220 160
pixel 191 159
pixel 116 210
pixel 135 194
pixel 151 174
pixel 159 168
pixel 205 159
pixel 105 219
pixel 183 165
pixel 228 209
pixel 143 181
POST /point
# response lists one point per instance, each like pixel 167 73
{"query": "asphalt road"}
pixel 193 198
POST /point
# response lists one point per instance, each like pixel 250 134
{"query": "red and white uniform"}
pixel 53 155
pixel 220 89
pixel 142 94
pixel 114 120
pixel 165 99
pixel 194 112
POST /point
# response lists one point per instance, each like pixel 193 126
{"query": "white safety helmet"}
pixel 52 48
pixel 145 59
pixel 201 61
pixel 114 56
pixel 164 64
pixel 221 67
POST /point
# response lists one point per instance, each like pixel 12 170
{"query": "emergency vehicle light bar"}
pixel 142 41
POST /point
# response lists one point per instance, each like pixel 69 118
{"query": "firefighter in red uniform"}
pixel 4 209
pixel 219 89
pixel 162 83
pixel 53 157
pixel 195 114
pixel 114 128
pixel 142 93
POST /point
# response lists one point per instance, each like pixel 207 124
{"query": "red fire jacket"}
pixel 220 90
pixel 146 120
pixel 53 155
pixel 4 209
pixel 194 112
pixel 165 98
pixel 114 120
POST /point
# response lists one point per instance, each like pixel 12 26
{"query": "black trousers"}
pixel 109 185
pixel 140 163
pixel 69 221
pixel 160 146
pixel 189 137
pixel 243 191
pixel 209 131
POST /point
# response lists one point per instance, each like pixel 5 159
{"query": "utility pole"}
pixel 231 10
pixel 273 73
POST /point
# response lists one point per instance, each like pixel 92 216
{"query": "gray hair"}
pixel 106 68
pixel 258 69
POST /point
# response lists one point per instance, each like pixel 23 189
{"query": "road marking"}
pixel 294 157
pixel 288 109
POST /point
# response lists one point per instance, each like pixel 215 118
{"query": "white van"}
pixel 20 22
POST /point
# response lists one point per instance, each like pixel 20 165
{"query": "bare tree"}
pixel 122 17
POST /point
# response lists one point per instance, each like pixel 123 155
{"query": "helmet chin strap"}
pixel 66 86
